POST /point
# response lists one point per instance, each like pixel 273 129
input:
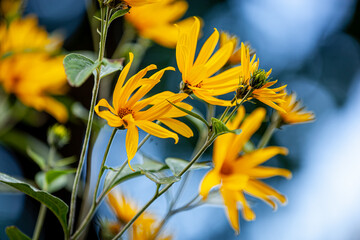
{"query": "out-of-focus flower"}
pixel 236 55
pixel 295 112
pixel 130 112
pixel 58 135
pixel 258 82
pixel 197 76
pixel 24 35
pixel 144 228
pixel 34 78
pixel 156 21
pixel 238 174
pixel 10 8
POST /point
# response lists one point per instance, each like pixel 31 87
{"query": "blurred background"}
pixel 312 46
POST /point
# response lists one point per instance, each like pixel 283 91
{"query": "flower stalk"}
pixel 105 15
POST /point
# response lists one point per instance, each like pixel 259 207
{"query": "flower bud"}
pixel 58 135
pixel 258 79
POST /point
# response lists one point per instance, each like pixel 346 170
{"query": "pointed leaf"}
pixel 15 234
pixel 110 66
pixel 40 161
pixel 118 14
pixel 160 177
pixel 56 205
pixel 176 165
pixel 220 127
pixel 78 68
pixel 195 115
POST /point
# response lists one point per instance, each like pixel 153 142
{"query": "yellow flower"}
pixel 33 78
pixel 24 35
pixel 295 113
pixel 238 174
pixel 197 75
pixel 257 80
pixel 124 208
pixel 130 112
pixel 138 3
pixel 156 21
pixel 235 58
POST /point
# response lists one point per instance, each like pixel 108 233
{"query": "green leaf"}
pixel 65 161
pixel 195 115
pixel 15 234
pixel 220 127
pixel 56 205
pixel 160 177
pixel 176 165
pixel 118 14
pixel 78 68
pixel 127 173
pixel 54 180
pixel 40 161
pixel 110 66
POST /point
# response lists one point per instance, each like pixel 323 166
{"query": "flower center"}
pixel 226 169
pixel 124 111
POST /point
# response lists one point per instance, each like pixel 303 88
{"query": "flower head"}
pixel 145 227
pixel 235 58
pixel 24 35
pixel 257 81
pixel 156 21
pixel 295 112
pixel 198 76
pixel 238 174
pixel 130 112
pixel 34 78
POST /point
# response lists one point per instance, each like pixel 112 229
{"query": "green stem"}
pixel 95 91
pixel 156 196
pixel 275 121
pixel 238 105
pixel 95 205
pixel 103 164
pixel 39 222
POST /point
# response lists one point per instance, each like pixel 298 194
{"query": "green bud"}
pixel 258 79
pixel 58 135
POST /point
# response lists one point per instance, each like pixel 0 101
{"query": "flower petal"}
pixel 156 130
pixel 132 138
pixel 231 208
pixel 177 126
pixel 210 180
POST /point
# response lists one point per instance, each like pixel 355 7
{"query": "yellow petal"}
pixel 210 180
pixel 132 138
pixel 267 172
pixel 259 156
pixel 177 126
pixel 208 48
pixel 269 191
pixel 219 59
pixel 231 208
pixel 120 82
pixel 156 130
pixel 235 182
pixel 248 214
pixel 250 125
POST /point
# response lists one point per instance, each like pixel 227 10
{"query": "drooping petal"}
pixel 231 208
pixel 177 126
pixel 247 213
pixel 156 130
pixel 266 189
pixel 132 138
pixel 109 115
pixel 210 180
